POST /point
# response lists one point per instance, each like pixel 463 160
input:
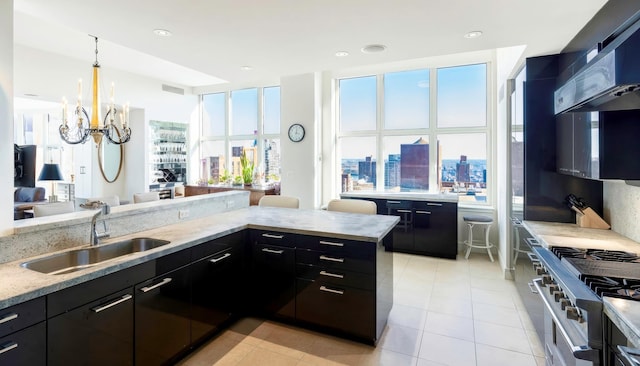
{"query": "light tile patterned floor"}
pixel 459 313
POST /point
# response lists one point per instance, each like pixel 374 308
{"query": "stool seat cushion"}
pixel 477 218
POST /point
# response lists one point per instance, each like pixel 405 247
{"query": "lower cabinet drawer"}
pixel 26 347
pixel 345 309
pixel 335 277
pixel 335 261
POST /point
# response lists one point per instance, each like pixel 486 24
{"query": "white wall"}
pixel 300 168
pixel 6 114
pixel 507 60
pixel 622 208
pixel 147 99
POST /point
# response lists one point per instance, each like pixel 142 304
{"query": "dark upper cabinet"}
pixel 599 145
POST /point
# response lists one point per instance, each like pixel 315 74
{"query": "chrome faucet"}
pixel 104 209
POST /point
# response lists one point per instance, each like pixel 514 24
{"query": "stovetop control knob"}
pixel 557 295
pixel 573 313
pixel 553 288
pixel 564 303
pixel 546 279
pixel 539 269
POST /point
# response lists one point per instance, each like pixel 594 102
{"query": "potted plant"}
pixel 247 169
pixel 225 177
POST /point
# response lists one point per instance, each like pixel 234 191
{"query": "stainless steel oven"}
pixel 572 315
pixel 576 332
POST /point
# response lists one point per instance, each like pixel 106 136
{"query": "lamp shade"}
pixel 50 172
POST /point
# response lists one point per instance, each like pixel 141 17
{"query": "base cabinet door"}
pixel 346 309
pixel 25 347
pixel 162 324
pixel 273 280
pixel 214 292
pixel 98 333
pixel 435 229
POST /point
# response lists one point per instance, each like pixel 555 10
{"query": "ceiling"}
pixel 212 39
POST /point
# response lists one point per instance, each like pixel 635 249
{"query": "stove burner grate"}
pixel 614 287
pixel 596 254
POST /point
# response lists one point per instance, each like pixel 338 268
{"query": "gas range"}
pixel 572 284
pixel 611 273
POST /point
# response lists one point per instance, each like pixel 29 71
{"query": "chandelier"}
pixel 78 129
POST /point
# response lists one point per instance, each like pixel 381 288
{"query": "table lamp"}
pixel 51 172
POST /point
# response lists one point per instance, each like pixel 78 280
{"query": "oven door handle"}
pixel 581 352
pixel 630 356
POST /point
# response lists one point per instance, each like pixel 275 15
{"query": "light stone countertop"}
pixel 552 234
pixel 19 284
pixel 624 313
pixel 415 196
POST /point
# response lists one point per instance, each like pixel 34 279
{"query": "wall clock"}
pixel 296 132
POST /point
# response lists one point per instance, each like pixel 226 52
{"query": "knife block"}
pixel 589 218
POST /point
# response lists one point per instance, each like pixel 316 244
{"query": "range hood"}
pixel 609 82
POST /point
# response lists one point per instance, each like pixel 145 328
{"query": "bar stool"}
pixel 517 224
pixel 485 222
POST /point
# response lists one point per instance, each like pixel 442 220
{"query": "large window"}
pixel 431 135
pixel 239 121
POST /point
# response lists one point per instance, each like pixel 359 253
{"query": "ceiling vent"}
pixel 172 89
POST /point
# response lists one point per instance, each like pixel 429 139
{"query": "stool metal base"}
pixel 477 243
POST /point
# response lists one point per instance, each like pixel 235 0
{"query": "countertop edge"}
pixel 619 311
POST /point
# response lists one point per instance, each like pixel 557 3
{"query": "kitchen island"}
pixel 349 244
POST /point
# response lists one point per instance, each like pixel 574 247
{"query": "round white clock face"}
pixel 296 132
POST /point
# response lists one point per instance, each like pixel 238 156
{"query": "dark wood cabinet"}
pixel 217 284
pixel 23 334
pixel 403 231
pixel 92 323
pixel 162 317
pixel 336 285
pixel 435 228
pixel 425 227
pixel 273 274
pixel 96 333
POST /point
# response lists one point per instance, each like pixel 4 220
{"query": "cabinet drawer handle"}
pixel 267 250
pixel 330 259
pixel 215 260
pixel 273 236
pixel 404 211
pixel 434 204
pixel 423 212
pixel 162 283
pixel 326 289
pixel 331 243
pixel 8 347
pixel 393 202
pixel 8 318
pixel 124 298
pixel 329 274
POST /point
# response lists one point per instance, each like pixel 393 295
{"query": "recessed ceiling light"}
pixel 30 95
pixel 373 48
pixel 473 34
pixel 342 54
pixel 246 68
pixel 162 32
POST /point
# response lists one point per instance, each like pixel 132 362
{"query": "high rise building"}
pixel 462 170
pixel 271 158
pixel 414 165
pixel 367 170
pixel 392 171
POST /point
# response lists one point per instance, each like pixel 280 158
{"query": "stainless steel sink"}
pixel 78 259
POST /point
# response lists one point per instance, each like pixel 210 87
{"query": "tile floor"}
pixel 445 313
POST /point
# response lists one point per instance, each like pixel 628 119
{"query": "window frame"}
pixel 228 139
pixel 430 132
